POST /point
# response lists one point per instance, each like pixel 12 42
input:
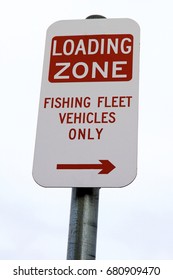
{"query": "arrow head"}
pixel 106 166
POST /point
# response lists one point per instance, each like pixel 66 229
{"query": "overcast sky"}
pixel 135 222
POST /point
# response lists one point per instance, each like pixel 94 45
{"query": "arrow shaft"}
pixel 79 166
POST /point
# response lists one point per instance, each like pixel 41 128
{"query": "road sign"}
pixel 88 112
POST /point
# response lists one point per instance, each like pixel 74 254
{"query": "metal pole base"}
pixel 83 224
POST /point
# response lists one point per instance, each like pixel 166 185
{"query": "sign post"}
pixel 83 218
pixel 88 117
pixel 83 224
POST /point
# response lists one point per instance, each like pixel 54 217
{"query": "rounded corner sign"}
pixel 88 113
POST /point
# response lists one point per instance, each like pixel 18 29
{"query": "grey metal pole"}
pixel 83 219
pixel 83 224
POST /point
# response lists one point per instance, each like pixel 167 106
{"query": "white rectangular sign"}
pixel 88 112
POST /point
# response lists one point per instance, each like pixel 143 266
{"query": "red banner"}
pixel 91 58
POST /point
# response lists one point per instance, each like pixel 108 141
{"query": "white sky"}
pixel 135 222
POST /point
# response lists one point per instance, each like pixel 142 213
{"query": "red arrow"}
pixel 106 166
